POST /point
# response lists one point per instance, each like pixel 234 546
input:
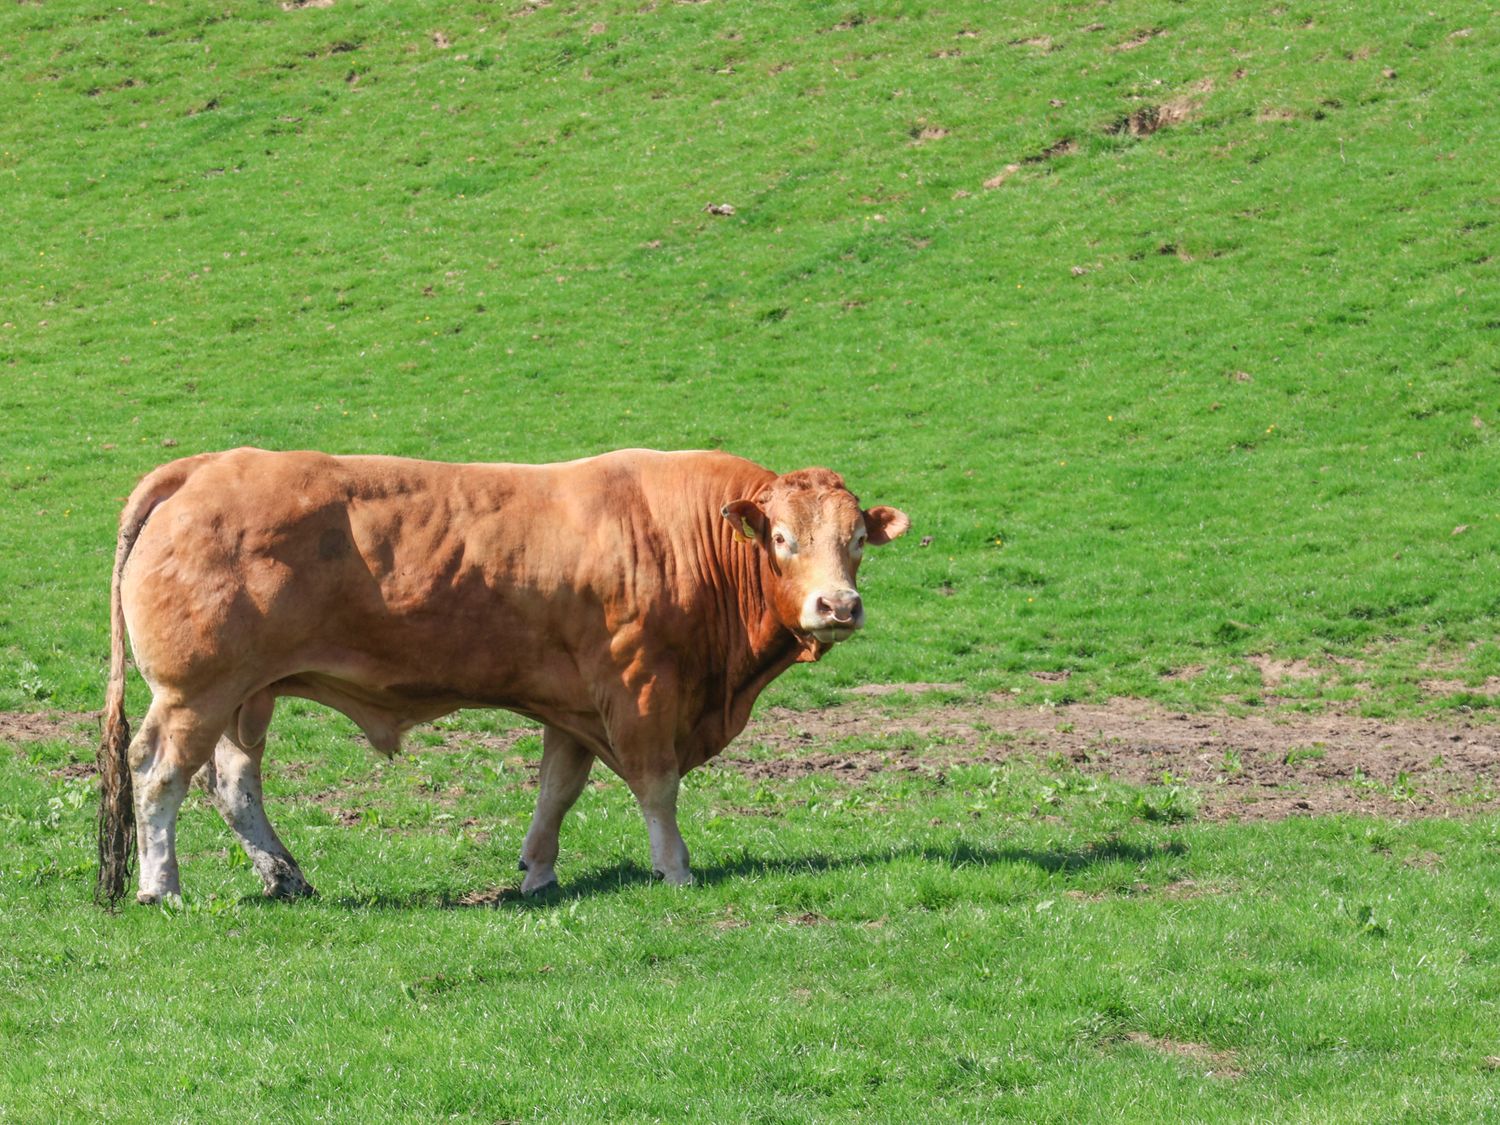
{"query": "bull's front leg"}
pixel 642 735
pixel 565 769
pixel 656 793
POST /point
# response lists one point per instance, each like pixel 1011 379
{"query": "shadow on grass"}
pixel 629 874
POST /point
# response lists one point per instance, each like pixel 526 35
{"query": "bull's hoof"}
pixel 289 889
pixel 675 878
pixel 540 887
pixel 152 898
pixel 280 877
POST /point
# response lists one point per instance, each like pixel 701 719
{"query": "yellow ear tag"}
pixel 745 531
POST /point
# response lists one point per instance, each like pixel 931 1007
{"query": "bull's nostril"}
pixel 836 609
pixel 839 608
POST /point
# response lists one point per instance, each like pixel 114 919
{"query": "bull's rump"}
pixel 421 585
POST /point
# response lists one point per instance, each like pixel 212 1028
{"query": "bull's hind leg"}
pixel 232 780
pixel 173 743
pixel 565 769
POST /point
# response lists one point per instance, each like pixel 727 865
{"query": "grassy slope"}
pixel 231 224
pixel 1249 426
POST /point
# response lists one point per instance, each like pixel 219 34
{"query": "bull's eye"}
pixel 780 539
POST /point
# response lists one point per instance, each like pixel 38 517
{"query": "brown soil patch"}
pixel 1274 672
pixel 1491 686
pixel 1139 39
pixel 1218 1064
pixel 29 726
pixel 1152 118
pixel 1001 176
pixel 1181 890
pixel 1065 147
pixel 1254 767
pixel 489 896
pixel 873 690
pixel 806 919
pixel 1052 677
pixel 1258 767
pixel 1186 672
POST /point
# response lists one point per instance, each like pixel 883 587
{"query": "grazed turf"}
pixel 1016 937
pixel 1196 402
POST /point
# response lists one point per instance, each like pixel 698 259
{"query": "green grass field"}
pixel 1174 327
pixel 907 947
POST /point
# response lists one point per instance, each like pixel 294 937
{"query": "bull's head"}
pixel 814 534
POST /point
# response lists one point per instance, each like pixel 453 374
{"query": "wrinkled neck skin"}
pixel 771 635
pixel 755 646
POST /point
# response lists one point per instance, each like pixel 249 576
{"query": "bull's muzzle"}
pixel 833 615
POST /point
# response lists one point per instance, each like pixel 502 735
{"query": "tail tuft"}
pixel 116 811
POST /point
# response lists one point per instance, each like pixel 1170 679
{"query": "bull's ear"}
pixel 883 524
pixel 748 520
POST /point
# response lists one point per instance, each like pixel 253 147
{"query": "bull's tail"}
pixel 116 799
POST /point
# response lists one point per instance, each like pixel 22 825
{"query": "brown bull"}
pixel 635 604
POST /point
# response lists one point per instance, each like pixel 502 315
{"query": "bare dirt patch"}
pixel 924 134
pixel 1274 672
pixel 1218 1064
pixel 1256 767
pixel 1152 118
pixel 809 918
pixel 1139 39
pixel 1490 686
pixel 1186 672
pixel 1067 146
pixel 36 726
pixel 874 690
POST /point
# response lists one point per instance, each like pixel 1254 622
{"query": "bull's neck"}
pixel 763 639
pixel 749 648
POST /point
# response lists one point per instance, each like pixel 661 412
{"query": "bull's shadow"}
pixel 630 874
